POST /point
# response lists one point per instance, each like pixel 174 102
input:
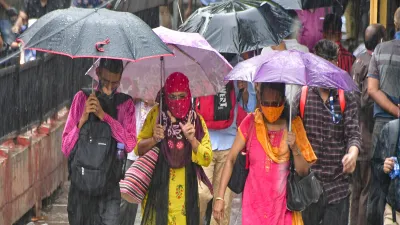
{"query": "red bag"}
pixel 218 110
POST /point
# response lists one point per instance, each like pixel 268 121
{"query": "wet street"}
pixel 56 213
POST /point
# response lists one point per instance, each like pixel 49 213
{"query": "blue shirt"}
pixel 88 3
pixel 223 139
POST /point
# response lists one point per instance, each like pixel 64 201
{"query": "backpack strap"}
pixel 121 98
pixel 249 140
pixel 342 100
pixel 303 99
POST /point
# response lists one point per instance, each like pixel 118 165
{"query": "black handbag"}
pixel 241 167
pixel 301 191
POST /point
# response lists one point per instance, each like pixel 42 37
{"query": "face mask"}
pixel 272 114
pixel 103 93
pixel 179 108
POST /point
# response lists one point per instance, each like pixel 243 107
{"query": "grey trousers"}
pixel 99 210
pixel 127 210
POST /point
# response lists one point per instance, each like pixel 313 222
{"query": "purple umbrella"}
pixel 194 57
pixel 293 67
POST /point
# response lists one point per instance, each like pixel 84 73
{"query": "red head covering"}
pixel 178 82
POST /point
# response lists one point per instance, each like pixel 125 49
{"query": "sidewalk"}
pixel 56 213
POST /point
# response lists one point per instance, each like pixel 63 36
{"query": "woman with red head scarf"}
pixel 185 147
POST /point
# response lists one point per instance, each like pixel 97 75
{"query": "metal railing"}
pixel 32 92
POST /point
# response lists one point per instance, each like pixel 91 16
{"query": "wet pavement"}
pixel 56 212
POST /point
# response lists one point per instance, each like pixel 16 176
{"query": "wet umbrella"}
pixel 293 67
pixel 94 33
pixel 236 26
pixel 308 4
pixel 193 56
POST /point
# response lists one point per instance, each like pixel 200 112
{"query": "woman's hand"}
pixel 158 132
pixel 188 129
pixel 291 140
pixel 218 210
pixel 388 165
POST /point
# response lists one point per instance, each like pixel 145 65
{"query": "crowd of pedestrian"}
pixel 348 140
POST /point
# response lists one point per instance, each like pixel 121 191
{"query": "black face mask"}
pixel 104 95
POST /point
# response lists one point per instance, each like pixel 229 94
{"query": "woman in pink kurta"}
pixel 268 144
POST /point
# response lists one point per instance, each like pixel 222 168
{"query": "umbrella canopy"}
pixel 240 26
pixel 293 67
pixel 194 57
pixel 308 4
pixel 94 33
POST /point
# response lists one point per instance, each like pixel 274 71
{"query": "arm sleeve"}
pixel 373 70
pixel 71 131
pixel 382 151
pixel 147 128
pixel 351 122
pixel 204 153
pixel 25 6
pixel 125 132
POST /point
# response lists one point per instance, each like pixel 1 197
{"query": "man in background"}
pixel 374 34
pixel 332 29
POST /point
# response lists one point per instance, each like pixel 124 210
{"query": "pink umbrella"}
pixel 194 57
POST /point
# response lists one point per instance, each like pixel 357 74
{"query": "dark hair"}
pixel 373 40
pixel 228 56
pixel 326 49
pixel 332 24
pixel 281 88
pixel 112 65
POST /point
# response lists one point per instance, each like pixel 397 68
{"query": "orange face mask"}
pixel 272 114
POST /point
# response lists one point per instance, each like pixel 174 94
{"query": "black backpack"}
pixel 93 164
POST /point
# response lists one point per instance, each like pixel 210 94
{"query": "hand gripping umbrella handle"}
pixel 99 45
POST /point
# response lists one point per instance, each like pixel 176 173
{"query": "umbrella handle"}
pixel 99 45
pixel 162 70
pixel 290 117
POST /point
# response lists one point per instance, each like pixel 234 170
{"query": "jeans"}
pixel 6 32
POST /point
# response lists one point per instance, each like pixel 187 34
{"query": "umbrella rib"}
pixel 190 57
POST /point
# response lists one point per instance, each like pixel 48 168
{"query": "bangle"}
pixel 219 198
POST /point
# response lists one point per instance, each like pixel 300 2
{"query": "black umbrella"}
pixel 309 4
pixel 240 26
pixel 94 33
